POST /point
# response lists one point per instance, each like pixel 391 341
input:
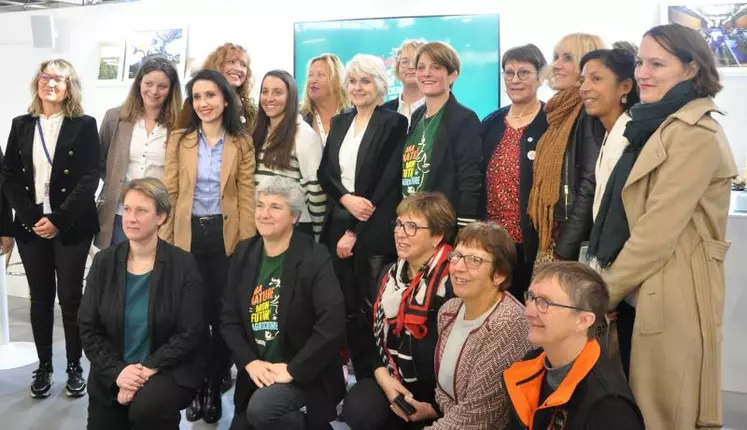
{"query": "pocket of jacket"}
pixel 714 278
pixel 650 308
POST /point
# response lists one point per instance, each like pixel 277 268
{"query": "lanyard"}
pixel 44 142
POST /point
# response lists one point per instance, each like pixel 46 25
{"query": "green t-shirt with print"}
pixel 416 157
pixel 263 308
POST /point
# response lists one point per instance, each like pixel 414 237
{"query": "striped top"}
pixel 305 160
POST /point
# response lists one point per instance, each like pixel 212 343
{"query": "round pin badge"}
pixel 532 155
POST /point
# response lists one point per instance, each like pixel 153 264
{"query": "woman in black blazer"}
pixel 443 152
pixel 283 319
pixel 360 173
pixel 510 137
pixel 51 174
pixel 142 321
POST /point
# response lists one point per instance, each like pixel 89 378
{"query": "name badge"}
pixel 47 207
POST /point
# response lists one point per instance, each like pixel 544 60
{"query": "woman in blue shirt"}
pixel 210 177
pixel 142 322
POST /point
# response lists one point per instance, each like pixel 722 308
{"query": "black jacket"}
pixel 594 395
pixel 456 162
pixel 75 178
pixel 6 214
pixel 493 127
pixel 311 317
pixel 378 175
pixel 175 318
pixel 392 104
pixel 576 217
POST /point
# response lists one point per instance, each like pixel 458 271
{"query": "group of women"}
pixel 624 168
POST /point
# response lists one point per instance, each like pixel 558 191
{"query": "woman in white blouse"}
pixel 361 174
pixel 133 138
pixel 287 146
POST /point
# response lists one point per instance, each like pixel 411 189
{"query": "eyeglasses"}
pixel 56 79
pixel 543 305
pixel 471 261
pixel 523 74
pixel 409 227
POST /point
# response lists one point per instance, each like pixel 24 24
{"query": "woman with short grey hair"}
pixel 360 173
pixel 287 354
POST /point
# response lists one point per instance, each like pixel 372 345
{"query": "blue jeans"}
pixel 118 235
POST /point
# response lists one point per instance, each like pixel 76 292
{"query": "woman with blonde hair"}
pixel 133 140
pixel 50 176
pixel 562 194
pixel 233 62
pixel 411 97
pixel 324 95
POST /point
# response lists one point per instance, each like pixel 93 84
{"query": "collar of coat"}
pixel 524 382
pixel 693 112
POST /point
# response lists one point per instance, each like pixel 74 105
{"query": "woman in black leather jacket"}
pixel 561 199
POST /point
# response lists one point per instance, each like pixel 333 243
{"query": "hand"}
pixel 345 245
pixel 147 373
pixel 125 396
pixel 611 316
pixel 132 377
pixel 389 385
pixel 6 245
pixel 45 229
pixel 423 410
pixel 261 373
pixel 361 208
pixel 280 370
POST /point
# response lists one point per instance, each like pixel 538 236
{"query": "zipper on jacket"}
pixel 565 187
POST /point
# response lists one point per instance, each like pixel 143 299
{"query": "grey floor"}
pixel 19 412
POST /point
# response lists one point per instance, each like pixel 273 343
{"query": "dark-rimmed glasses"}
pixel 543 305
pixel 471 261
pixel 46 78
pixel 523 74
pixel 410 228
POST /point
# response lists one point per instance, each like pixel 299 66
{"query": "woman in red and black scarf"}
pixel 405 328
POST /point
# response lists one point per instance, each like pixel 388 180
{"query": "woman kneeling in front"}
pixel 283 318
pixel 481 332
pixel 141 321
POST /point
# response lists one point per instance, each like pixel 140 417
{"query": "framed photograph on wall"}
pixel 111 63
pixel 723 24
pixel 171 43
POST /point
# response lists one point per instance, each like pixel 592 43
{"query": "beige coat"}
pixel 677 201
pixel 236 188
pixel 115 137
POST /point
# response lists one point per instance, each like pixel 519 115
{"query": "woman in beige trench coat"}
pixel 670 260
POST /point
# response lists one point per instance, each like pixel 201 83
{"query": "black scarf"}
pixel 610 230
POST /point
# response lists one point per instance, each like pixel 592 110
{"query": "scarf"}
pixel 562 111
pixel 402 308
pixel 611 231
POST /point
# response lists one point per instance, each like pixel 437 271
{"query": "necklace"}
pixel 534 110
pixel 140 268
pixel 426 127
pixel 320 124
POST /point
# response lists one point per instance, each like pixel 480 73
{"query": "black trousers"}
pixel 210 254
pixel 54 270
pixel 625 321
pixel 155 406
pixel 522 273
pixel 358 277
pixel 367 408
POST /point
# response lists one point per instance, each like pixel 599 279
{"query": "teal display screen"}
pixel 474 37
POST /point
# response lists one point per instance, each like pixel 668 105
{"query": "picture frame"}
pixel 111 63
pixel 723 23
pixel 169 42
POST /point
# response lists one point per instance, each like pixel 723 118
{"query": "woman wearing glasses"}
pixel 50 173
pixel 509 144
pixel 405 318
pixel 481 333
pixel 584 390
pixel 410 98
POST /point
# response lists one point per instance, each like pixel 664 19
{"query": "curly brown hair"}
pixel 217 59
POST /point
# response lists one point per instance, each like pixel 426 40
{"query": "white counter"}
pixel 734 352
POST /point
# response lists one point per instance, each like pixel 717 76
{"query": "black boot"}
pixel 76 384
pixel 213 406
pixel 194 411
pixel 42 382
pixel 227 381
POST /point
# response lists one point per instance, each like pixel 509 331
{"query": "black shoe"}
pixel 213 406
pixel 76 384
pixel 194 411
pixel 42 381
pixel 227 381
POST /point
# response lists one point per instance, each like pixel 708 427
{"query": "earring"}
pixel 624 99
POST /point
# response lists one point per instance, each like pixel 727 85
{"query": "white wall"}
pixel 268 35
